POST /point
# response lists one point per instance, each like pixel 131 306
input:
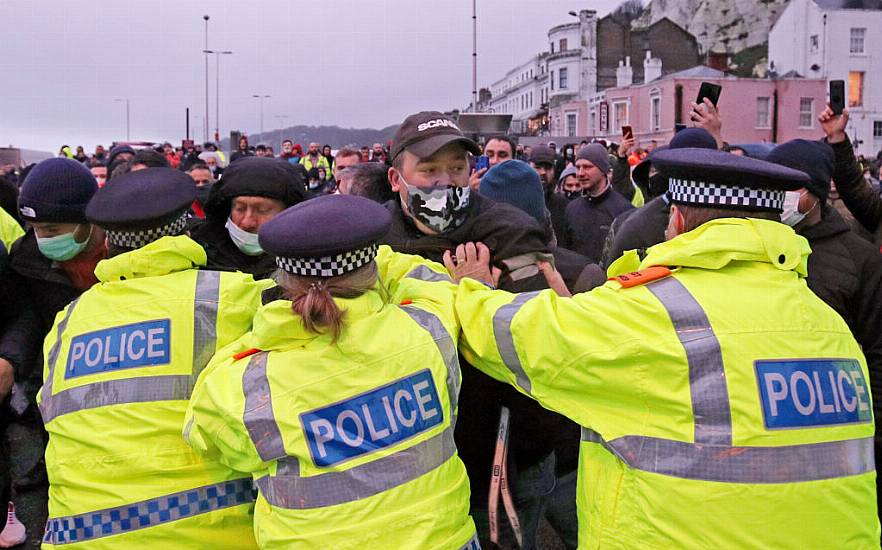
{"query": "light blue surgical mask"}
pixel 61 247
pixel 244 241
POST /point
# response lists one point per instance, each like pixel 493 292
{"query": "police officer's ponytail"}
pixel 312 298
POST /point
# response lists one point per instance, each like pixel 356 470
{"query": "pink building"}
pixel 752 109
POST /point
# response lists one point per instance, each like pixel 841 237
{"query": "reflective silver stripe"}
pixel 258 417
pixel 288 489
pixel 423 273
pixel 707 378
pixel 117 392
pixel 51 359
pixel 205 306
pixel 148 513
pixel 146 388
pixel 784 464
pixel 505 340
pixel 433 325
pixel 472 544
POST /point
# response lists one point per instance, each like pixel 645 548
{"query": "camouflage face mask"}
pixel 441 208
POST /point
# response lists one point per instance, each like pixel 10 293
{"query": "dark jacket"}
pixel 508 232
pixel 621 176
pixel 48 290
pixel 589 219
pixel 17 321
pixel 223 255
pixel 856 193
pixel 637 229
pixel 845 271
pixel 505 229
pixel 557 203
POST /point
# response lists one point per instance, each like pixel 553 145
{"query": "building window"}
pixel 877 128
pixel 563 78
pixel 620 116
pixel 806 112
pixel 855 89
pixel 593 129
pixel 856 40
pixel 813 43
pixel 552 47
pixel 563 44
pixel 763 118
pixel 552 80
pixel 655 113
pixel 571 124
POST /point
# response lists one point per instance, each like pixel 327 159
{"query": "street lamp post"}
pixel 475 55
pixel 217 54
pixel 261 97
pixel 205 50
pixel 128 134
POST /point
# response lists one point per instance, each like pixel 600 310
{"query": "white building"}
pixel 816 39
pixel 567 71
pixel 521 92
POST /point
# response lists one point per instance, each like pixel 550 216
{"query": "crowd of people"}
pixel 643 345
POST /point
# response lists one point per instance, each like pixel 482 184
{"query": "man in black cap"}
pixel 122 361
pixel 589 217
pixel 732 396
pixel 252 192
pixel 643 227
pixel 433 213
pixel 542 159
pixel 54 263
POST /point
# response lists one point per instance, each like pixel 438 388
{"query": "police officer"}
pixel 722 402
pixel 121 362
pixel 341 402
pixel 252 191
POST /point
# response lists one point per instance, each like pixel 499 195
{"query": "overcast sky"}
pixel 353 63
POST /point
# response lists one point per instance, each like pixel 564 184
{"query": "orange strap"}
pixel 246 353
pixel 642 277
pixel 499 483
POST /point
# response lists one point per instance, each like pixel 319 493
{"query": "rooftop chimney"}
pixel 624 73
pixel 652 67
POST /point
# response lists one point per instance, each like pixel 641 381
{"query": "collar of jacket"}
pixel 718 243
pixel 831 225
pixel 161 257
pixel 276 326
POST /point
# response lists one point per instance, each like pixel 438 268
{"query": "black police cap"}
pixel 351 230
pixel 143 199
pixel 711 178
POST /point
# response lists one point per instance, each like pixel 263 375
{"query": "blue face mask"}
pixel 244 241
pixel 61 247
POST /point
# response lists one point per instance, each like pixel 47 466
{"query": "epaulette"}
pixel 637 278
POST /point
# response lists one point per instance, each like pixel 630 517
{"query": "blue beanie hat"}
pixel 57 190
pixel 815 158
pixel 516 183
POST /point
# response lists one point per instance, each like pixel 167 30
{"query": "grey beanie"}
pixel 595 154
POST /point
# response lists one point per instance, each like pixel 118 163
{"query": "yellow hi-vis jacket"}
pixel 10 231
pixel 723 405
pixel 121 362
pixel 350 443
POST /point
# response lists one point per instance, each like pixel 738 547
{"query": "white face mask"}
pixel 791 214
pixel 244 241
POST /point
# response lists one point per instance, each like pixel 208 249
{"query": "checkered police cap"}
pixel 713 194
pixel 140 237
pixel 329 266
